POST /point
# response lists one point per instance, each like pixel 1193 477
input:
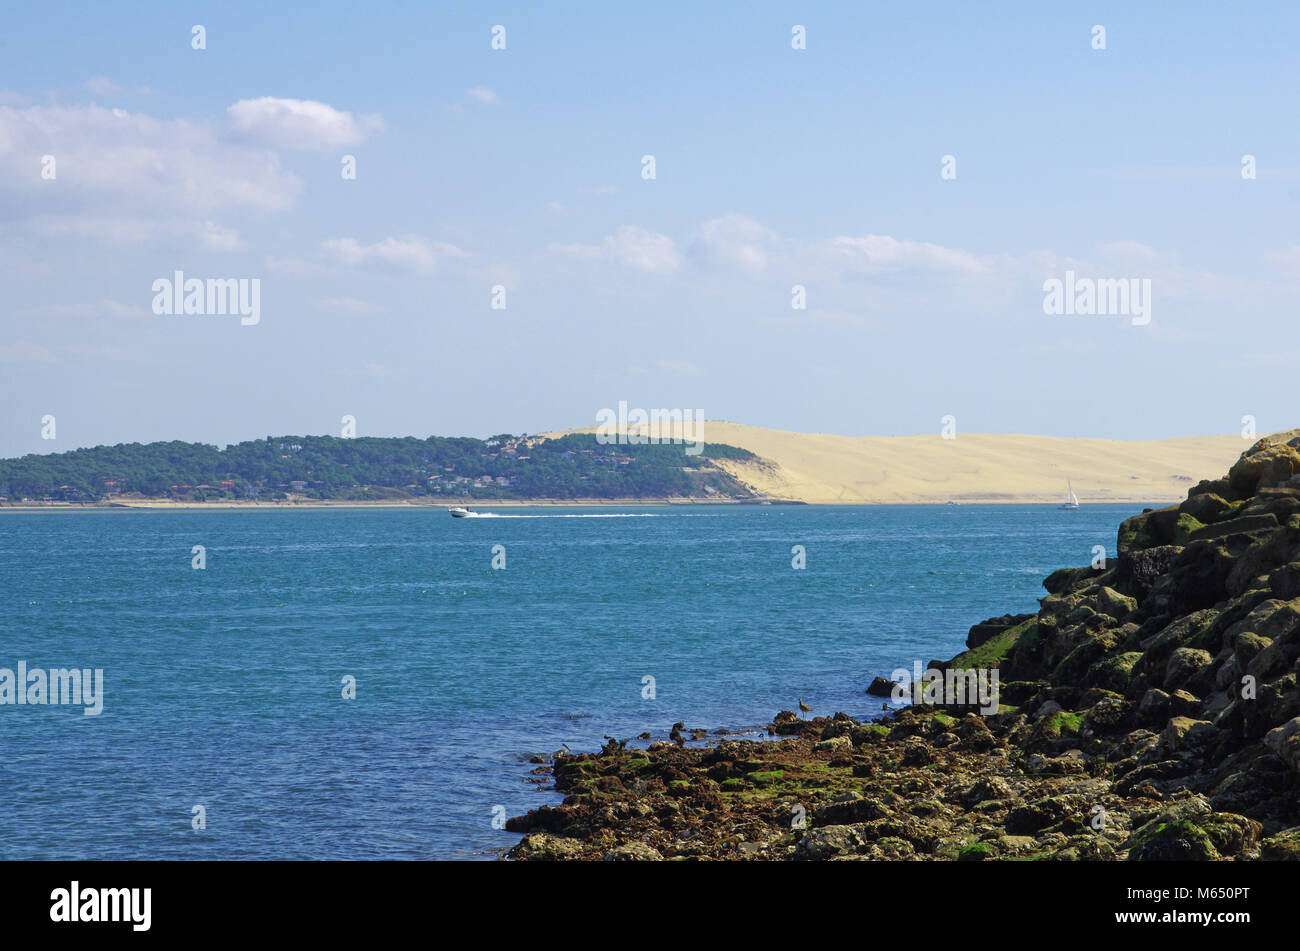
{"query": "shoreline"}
pixel 1121 729
pixel 162 505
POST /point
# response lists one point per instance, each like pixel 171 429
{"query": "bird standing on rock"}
pixel 803 707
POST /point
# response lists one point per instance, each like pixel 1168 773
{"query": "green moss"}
pixel 976 852
pixel 994 651
pixel 1243 524
pixel 1180 840
pixel 1062 723
pixel 1184 527
pixel 1283 847
pixel 766 777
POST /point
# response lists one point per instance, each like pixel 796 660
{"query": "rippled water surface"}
pixel 223 686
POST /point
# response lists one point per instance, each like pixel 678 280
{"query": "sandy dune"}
pixel 971 467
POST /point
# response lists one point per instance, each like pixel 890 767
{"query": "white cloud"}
pixel 630 246
pixel 483 95
pixel 407 253
pixel 880 253
pixel 123 176
pixel 1288 260
pixel 115 309
pixel 736 241
pixel 105 308
pixel 1130 253
pixel 299 123
pixel 29 352
pixel 294 267
pixel 208 235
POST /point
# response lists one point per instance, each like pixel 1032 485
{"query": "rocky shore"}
pixel 1147 711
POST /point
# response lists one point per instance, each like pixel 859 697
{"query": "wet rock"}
pixel 1154 707
pixel 984 631
pixel 881 687
pixel 1262 468
pixel 822 844
pixel 1184 665
pixel 541 847
pixel 1114 672
pixel 1033 817
pixel 1184 733
pixel 1110 602
pixel 849 808
pixel 1190 830
pixel 1206 507
pixel 1285 742
pixel 633 852
pixel 990 788
pixel 1283 847
pixel 840 744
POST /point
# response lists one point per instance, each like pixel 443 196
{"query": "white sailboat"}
pixel 1071 500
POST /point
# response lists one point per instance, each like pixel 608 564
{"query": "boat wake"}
pixel 592 515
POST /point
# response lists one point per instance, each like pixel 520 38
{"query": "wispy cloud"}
pixel 299 123
pixel 406 253
pixel 631 247
pixel 24 352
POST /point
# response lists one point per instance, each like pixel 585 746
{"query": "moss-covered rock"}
pixel 1179 840
pixel 993 652
pixel 1282 847
pixel 1114 672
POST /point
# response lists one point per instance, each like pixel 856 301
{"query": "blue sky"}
pixel 522 167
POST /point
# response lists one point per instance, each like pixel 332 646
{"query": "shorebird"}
pixel 803 707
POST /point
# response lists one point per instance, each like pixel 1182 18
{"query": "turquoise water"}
pixel 223 686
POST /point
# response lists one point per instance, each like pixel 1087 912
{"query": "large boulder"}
pixel 1285 742
pixel 985 630
pixel 1264 465
pixel 1184 668
pixel 822 844
pixel 633 852
pixel 1190 830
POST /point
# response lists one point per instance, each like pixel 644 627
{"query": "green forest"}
pixel 373 468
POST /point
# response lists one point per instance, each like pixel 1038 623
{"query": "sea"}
pixel 335 683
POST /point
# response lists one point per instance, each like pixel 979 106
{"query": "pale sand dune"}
pixel 972 467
